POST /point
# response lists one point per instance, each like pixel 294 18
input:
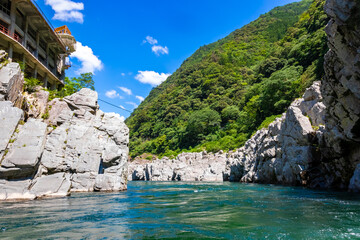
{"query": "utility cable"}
pixel 114 105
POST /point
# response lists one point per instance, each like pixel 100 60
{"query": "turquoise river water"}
pixel 179 210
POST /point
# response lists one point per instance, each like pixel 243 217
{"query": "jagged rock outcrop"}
pixel 77 148
pixel 186 167
pixel 89 144
pixel 35 105
pixel 11 81
pixel 340 146
pixel 283 152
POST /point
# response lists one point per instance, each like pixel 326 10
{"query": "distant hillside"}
pixel 228 89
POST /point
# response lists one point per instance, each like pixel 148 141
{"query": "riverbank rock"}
pixel 186 167
pixel 282 152
pixel 56 185
pixel 87 143
pixel 75 148
pixel 24 151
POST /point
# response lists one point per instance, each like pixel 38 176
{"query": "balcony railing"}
pixel 15 36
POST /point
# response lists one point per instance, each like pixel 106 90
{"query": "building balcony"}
pixel 15 36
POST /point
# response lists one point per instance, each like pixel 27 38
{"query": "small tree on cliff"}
pixel 73 85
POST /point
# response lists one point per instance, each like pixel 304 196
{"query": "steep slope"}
pixel 314 144
pixel 224 91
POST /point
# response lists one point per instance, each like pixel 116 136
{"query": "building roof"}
pixel 40 21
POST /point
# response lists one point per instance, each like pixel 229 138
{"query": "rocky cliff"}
pixel 73 147
pixel 316 143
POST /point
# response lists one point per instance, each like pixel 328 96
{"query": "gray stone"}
pixel 9 119
pixel 28 146
pixel 83 182
pixel 16 190
pixel 56 185
pixel 87 143
pixel 36 104
pixel 11 83
pixel 85 99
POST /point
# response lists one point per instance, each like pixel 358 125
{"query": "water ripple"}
pixel 179 210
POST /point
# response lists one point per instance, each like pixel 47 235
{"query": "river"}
pixel 180 210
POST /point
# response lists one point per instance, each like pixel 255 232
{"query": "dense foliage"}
pixel 73 85
pixel 226 90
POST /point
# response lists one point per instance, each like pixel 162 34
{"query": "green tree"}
pixel 230 113
pixel 200 124
pixel 74 85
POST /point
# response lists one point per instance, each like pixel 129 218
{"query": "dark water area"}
pixel 179 210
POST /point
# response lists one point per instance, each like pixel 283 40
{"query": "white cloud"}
pixel 67 10
pixel 157 49
pixel 89 62
pixel 126 90
pixel 113 94
pixel 132 104
pixel 140 98
pixel 151 77
pixel 123 74
pixel 150 40
pixel 121 106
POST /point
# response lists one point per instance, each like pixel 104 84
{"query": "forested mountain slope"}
pixel 227 90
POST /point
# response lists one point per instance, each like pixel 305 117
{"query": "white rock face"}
pixel 84 150
pixel 281 153
pixel 186 167
pixel 90 144
pixel 9 119
pixel 24 153
pixel 11 82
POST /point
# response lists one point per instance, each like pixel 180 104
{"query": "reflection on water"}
pixel 187 210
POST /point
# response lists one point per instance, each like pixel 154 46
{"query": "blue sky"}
pixel 131 46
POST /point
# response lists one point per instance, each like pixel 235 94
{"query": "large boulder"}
pixel 16 190
pixel 24 153
pixel 90 145
pixel 56 185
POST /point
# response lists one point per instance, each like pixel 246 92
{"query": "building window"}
pixel 30 48
pixel 20 19
pixel 31 32
pixel 5 6
pixel 42 44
